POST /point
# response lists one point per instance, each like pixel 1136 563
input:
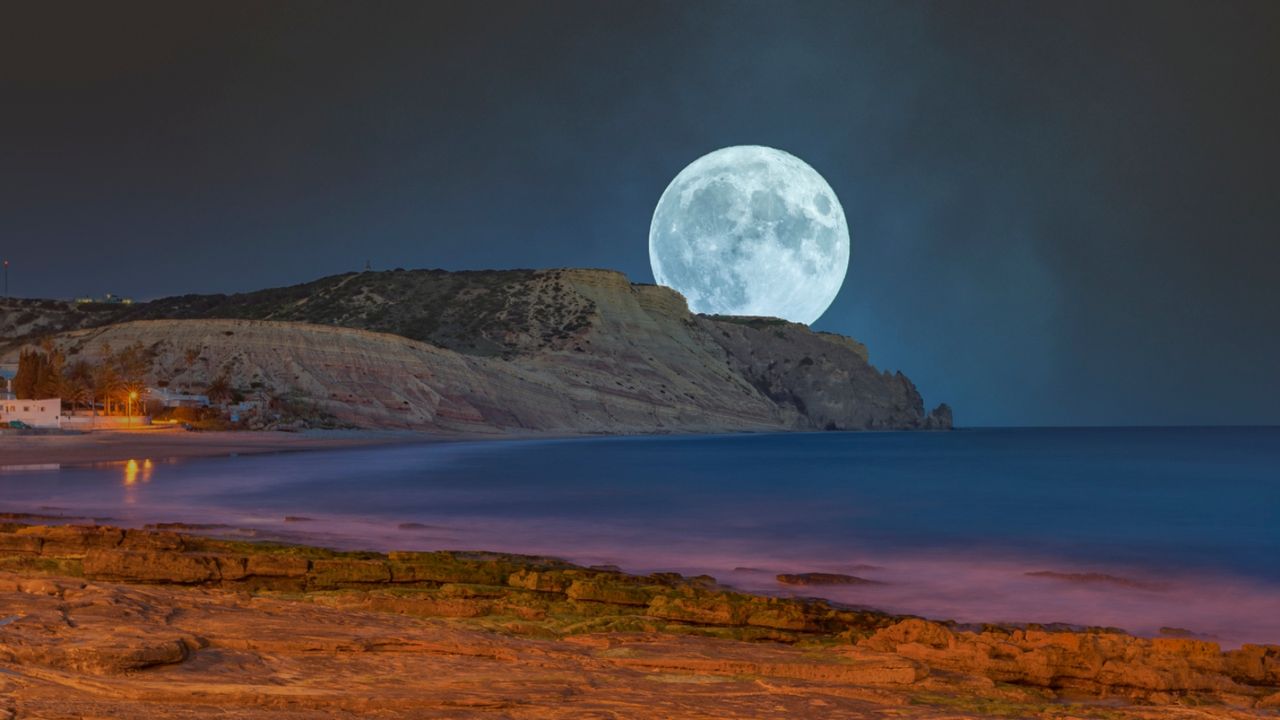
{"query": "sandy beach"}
pixel 157 443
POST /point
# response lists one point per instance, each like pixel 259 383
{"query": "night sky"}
pixel 1062 213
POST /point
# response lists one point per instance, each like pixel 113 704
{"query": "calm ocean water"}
pixel 1139 528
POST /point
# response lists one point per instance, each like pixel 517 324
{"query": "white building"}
pixel 7 373
pixel 45 413
pixel 173 398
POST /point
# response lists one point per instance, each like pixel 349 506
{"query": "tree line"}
pixel 46 373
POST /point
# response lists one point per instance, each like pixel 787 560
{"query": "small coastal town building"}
pixel 246 408
pixel 108 299
pixel 173 398
pixel 7 373
pixel 45 413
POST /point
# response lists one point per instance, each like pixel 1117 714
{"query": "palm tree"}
pixel 78 377
pixel 106 384
pixel 219 391
pixel 76 391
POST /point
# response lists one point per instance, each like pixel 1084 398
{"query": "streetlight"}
pixel 133 395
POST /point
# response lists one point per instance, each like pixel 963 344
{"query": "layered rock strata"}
pixel 555 351
pixel 155 623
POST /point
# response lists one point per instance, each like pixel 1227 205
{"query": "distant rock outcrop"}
pixel 560 351
pixel 819 578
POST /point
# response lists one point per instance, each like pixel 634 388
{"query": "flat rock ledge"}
pixel 106 621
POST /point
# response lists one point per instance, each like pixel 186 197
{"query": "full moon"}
pixel 750 230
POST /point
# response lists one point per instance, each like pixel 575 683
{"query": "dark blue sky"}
pixel 1061 213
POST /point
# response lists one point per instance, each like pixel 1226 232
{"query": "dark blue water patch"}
pixel 1157 498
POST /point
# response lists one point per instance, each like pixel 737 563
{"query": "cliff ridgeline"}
pixel 559 351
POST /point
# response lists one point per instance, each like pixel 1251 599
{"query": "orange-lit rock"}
pixel 188 626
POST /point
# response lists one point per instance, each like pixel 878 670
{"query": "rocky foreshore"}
pixel 110 622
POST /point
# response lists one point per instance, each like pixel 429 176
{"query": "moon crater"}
pixel 750 230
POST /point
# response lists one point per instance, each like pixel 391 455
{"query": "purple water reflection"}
pixel 1161 527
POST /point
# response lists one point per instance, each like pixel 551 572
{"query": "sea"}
pixel 1152 530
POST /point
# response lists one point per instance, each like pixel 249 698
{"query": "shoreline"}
pixel 95 616
pixel 839 585
pixel 108 446
pixel 18 450
pixel 310 498
pixel 165 443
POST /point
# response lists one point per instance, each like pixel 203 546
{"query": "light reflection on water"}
pixel 134 472
pixel 952 522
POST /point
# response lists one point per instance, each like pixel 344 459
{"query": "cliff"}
pixel 566 351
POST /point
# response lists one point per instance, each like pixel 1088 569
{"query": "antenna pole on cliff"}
pixel 6 279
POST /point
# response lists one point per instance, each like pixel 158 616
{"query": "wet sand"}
pixel 119 445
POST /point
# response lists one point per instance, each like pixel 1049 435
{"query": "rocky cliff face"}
pixel 564 351
pixel 824 378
